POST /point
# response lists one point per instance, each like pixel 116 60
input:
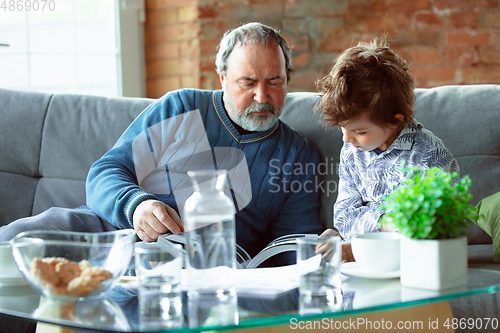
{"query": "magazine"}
pixel 243 260
pixel 261 283
pixel 252 280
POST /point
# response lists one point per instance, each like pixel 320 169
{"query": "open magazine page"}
pixel 243 260
pixel 253 281
pixel 268 282
pixel 279 245
pixel 242 256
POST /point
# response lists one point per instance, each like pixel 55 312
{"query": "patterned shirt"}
pixel 366 177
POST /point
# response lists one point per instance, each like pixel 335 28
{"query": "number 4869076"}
pixel 28 5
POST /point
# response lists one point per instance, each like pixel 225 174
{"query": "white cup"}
pixel 377 252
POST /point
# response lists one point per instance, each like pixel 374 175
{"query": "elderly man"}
pixel 136 184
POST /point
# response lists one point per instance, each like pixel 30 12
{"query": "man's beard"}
pixel 249 122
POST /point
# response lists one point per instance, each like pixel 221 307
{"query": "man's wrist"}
pixel 135 201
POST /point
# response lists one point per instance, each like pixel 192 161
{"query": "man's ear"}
pixel 221 79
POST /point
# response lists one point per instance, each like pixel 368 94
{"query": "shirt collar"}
pixel 406 138
pixel 404 141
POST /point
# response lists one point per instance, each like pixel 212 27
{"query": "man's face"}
pixel 365 135
pixel 255 85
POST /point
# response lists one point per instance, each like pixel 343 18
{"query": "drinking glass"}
pixel 320 284
pixel 160 297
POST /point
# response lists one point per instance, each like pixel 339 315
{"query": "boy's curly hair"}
pixel 367 78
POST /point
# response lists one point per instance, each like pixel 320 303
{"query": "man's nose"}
pixel 260 95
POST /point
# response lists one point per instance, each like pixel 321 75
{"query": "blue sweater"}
pixel 189 129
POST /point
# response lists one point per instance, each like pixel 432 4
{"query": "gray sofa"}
pixel 48 142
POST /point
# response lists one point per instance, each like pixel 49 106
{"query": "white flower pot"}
pixel 433 264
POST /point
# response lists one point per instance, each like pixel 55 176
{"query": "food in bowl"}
pixel 66 277
pixel 73 265
pixel 377 252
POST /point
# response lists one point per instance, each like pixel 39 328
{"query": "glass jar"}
pixel 211 247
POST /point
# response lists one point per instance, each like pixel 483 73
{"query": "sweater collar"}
pixel 224 118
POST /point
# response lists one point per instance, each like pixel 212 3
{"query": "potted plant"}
pixel 431 209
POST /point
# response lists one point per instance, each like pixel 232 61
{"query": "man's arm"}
pixel 119 184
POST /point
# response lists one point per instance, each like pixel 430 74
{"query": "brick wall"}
pixel 445 41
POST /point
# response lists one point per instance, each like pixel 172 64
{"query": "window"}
pixel 72 46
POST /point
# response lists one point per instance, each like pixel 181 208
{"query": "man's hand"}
pixel 153 218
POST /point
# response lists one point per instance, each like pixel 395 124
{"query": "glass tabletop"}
pixel 118 311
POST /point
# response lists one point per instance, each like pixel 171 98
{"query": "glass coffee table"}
pixel 118 311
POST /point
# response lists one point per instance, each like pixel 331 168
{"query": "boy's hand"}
pixel 325 249
pixel 329 233
pixel 153 218
pixel 387 226
pixel 347 252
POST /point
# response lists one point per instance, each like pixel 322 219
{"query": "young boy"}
pixel 369 94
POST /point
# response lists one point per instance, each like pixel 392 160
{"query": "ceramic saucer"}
pixel 353 269
pixel 12 281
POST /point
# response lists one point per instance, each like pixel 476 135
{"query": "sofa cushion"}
pixel 83 127
pixel 480 254
pixel 23 115
pixel 297 114
pixel 56 192
pixel 489 220
pixel 17 193
pixel 466 118
pixel 49 142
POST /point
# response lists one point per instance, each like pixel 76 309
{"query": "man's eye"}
pixel 247 83
pixel 274 82
pixel 360 133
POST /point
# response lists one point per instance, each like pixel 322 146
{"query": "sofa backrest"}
pixel 49 141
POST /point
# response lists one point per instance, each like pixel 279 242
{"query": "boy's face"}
pixel 365 135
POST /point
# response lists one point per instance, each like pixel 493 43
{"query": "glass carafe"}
pixel 211 250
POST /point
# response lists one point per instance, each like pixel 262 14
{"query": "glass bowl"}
pixel 73 265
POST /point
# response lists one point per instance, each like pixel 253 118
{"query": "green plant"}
pixel 429 204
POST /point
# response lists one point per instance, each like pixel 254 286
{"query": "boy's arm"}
pixel 352 215
pixel 442 158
